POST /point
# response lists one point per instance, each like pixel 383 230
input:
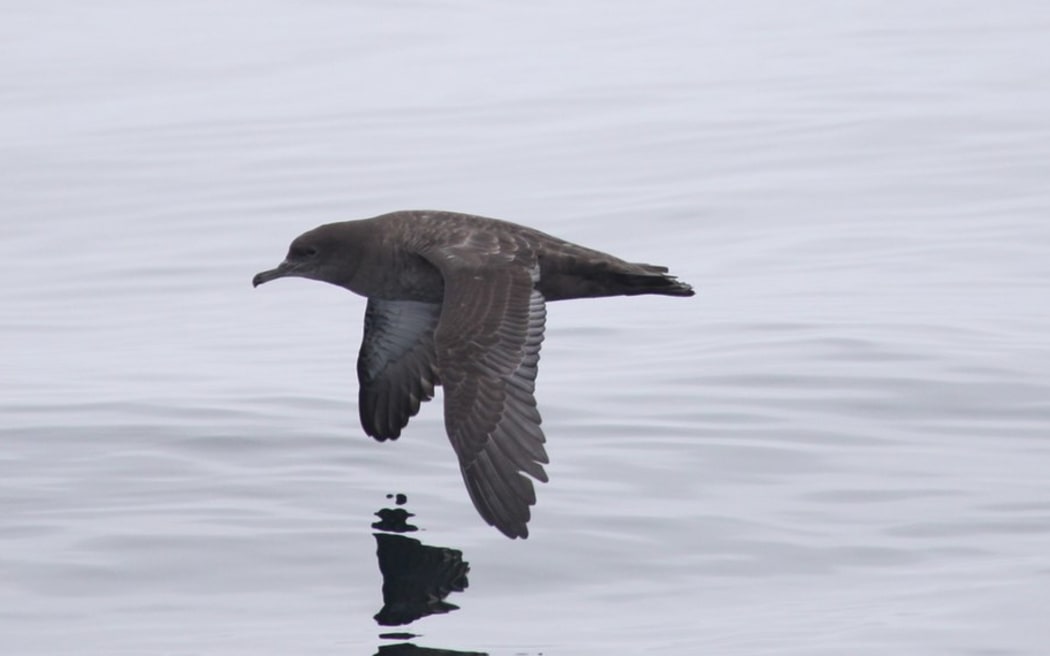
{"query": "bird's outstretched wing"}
pixel 488 346
pixel 396 365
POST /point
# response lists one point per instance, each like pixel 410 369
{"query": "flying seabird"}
pixel 459 300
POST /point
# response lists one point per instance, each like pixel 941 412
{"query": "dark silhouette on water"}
pixel 408 649
pixel 417 577
pixel 459 301
pixel 395 520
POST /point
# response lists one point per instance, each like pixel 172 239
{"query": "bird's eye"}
pixel 303 252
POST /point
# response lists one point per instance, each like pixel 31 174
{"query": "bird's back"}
pixel 567 270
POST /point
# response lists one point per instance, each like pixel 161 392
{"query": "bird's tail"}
pixel 651 279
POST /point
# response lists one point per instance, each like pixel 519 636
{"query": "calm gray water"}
pixel 841 445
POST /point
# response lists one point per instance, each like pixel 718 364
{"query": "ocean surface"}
pixel 840 445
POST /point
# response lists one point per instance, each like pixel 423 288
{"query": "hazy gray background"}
pixel 840 445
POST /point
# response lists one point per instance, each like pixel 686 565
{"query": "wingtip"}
pixel 514 532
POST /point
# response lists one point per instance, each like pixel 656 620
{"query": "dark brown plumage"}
pixel 458 300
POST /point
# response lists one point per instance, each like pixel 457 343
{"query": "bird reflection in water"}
pixel 416 579
pixel 408 649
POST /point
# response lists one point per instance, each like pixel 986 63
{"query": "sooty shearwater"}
pixel 459 300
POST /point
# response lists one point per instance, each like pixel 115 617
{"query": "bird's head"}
pixel 318 254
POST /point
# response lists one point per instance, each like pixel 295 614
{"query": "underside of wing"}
pixel 396 365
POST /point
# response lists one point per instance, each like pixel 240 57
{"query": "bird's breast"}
pixel 406 277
